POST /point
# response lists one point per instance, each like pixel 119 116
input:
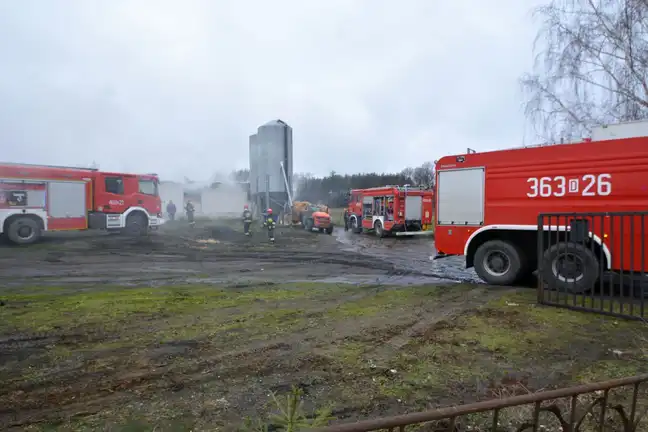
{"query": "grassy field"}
pixel 200 356
pixel 337 214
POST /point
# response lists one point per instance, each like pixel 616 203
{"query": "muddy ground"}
pixel 220 253
pixel 193 329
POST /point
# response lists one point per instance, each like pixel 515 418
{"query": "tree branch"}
pixel 594 65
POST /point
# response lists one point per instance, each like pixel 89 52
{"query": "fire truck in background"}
pixel 38 198
pixel 386 210
pixel 488 206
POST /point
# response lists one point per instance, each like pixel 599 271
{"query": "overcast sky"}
pixel 176 87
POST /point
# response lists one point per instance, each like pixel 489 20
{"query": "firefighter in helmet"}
pixel 247 220
pixel 269 223
pixel 190 209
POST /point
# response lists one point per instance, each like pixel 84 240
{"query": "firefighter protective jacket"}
pixel 269 222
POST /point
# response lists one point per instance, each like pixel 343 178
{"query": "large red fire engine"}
pixel 37 198
pixel 488 204
pixel 399 210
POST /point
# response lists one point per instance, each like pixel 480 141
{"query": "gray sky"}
pixel 176 87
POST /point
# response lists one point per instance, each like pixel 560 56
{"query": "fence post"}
pixel 540 289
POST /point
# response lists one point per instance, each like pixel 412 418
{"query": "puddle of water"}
pixel 409 254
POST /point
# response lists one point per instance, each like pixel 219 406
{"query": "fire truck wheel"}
pixel 498 262
pixel 137 224
pixel 570 267
pixel 355 228
pixel 378 229
pixel 24 231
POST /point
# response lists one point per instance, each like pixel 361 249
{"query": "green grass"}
pixel 42 309
pixel 367 347
pixel 337 215
pixel 388 301
pixel 509 334
pixel 596 303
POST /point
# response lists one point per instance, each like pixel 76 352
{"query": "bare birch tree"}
pixel 591 67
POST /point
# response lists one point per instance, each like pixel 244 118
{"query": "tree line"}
pixel 333 189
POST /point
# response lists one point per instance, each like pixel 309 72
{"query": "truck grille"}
pixel 322 221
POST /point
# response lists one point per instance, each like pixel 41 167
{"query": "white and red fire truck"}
pixel 38 198
pixel 488 205
pixel 387 210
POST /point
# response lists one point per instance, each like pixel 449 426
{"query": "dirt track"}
pixel 221 254
pixel 196 327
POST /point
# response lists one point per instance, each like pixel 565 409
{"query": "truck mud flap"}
pixel 441 255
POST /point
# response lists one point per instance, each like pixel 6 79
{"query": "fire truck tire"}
pixel 355 226
pixel 378 229
pixel 578 276
pixel 24 231
pixel 498 262
pixel 137 224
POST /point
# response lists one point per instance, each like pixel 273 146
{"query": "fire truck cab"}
pixel 488 204
pixel 387 210
pixel 38 198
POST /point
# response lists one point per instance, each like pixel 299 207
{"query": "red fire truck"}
pixel 38 198
pixel 488 206
pixel 398 210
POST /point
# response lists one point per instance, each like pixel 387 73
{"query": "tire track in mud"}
pixel 276 362
pixel 106 256
pixel 388 255
pixel 401 261
pixel 398 264
pixel 412 255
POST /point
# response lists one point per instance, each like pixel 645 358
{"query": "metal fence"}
pixel 615 405
pixel 594 262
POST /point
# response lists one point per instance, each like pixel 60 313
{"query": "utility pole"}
pixel 266 176
pixel 257 201
pixel 267 194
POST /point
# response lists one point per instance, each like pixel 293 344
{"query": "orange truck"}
pixel 312 216
pixel 391 210
pixel 490 205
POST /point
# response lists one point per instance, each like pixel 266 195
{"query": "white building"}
pixel 210 200
pixel 171 191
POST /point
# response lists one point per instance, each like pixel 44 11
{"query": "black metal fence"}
pixel 594 262
pixel 615 405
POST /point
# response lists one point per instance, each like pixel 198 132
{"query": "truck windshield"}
pixel 148 187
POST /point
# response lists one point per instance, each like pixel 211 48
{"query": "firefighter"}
pixel 190 209
pixel 346 219
pixel 247 220
pixel 269 223
pixel 171 210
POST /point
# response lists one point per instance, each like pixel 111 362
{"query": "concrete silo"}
pixel 271 166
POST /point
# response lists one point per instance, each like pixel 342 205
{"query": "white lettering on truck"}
pixel 559 186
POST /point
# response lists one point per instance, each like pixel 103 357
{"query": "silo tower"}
pixel 271 166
